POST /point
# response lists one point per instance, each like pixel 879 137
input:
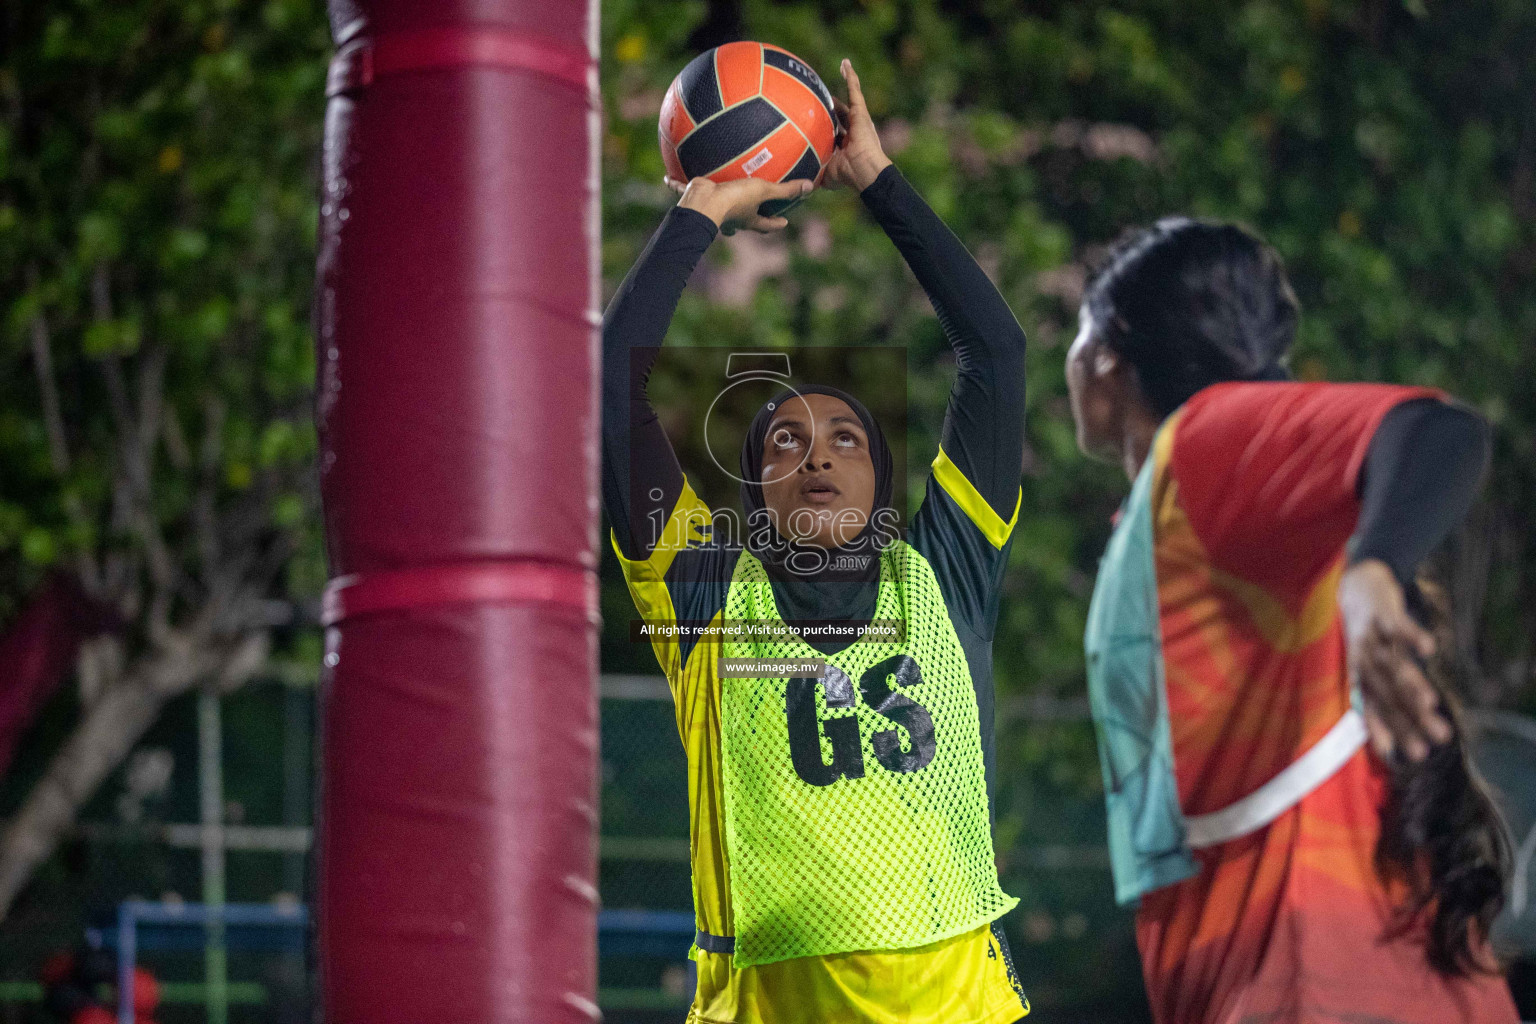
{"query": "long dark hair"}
pixel 1190 303
pixel 1441 832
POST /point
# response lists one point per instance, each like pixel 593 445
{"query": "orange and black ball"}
pixel 748 109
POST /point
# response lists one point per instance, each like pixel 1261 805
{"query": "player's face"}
pixel 1095 386
pixel 818 475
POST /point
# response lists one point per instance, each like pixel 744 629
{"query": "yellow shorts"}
pixel 968 979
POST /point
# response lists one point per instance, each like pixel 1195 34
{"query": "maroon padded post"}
pixel 456 315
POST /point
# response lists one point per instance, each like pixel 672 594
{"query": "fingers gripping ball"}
pixel 748 110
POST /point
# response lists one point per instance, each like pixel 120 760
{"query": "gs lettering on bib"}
pixel 856 805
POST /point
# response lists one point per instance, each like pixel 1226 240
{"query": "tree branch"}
pixel 175 441
pixel 109 730
pixel 151 404
pixel 58 442
pixel 98 664
pixel 136 433
pixel 204 518
pixel 47 386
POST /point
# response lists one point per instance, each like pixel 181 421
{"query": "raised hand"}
pixel 733 204
pixel 1383 648
pixel 859 159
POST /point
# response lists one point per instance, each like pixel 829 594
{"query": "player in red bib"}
pixel 1251 629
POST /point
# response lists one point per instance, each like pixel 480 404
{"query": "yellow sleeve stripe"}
pixel 653 603
pixel 975 506
pixel 646 577
pixel 690 521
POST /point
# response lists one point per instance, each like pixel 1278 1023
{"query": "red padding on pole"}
pixel 37 652
pixel 474 583
pixel 360 62
pixel 457 405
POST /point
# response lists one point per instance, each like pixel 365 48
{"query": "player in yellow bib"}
pixel 843 868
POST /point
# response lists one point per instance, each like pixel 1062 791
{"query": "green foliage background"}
pixel 156 202
pixel 1386 147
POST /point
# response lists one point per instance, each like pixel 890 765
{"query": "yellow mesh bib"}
pixel 855 804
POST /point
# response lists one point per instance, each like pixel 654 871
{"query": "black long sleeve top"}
pixel 983 432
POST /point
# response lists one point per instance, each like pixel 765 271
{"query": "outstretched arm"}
pixel 640 471
pixel 984 425
pixel 641 476
pixel 1425 465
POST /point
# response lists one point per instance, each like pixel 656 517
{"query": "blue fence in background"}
pixel 144 926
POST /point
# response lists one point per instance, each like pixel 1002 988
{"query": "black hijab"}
pixel 843 593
